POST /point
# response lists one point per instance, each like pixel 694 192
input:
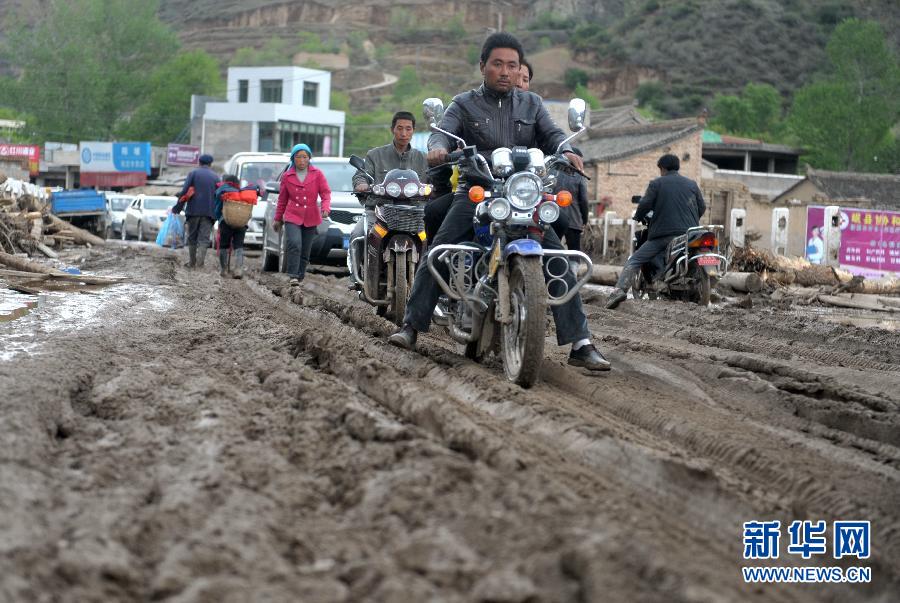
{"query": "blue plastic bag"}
pixel 171 233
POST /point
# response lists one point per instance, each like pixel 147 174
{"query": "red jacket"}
pixel 297 201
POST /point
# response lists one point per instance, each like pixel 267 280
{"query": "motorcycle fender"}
pixel 712 271
pixel 523 247
pixel 399 244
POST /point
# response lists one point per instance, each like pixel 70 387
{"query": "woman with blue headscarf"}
pixel 302 185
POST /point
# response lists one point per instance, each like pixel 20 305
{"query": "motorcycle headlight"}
pixel 393 189
pixel 378 189
pixel 500 209
pixel 523 189
pixel 411 189
pixel 548 212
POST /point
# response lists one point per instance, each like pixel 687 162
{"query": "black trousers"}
pixel 230 236
pixel 571 323
pixel 435 212
pixel 573 239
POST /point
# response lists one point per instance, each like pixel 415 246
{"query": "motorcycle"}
pixel 384 260
pixel 496 290
pixel 691 265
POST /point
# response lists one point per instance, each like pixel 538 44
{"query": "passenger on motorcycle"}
pixel 495 115
pixel 677 204
pixel 399 154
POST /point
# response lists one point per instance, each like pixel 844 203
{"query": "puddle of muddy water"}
pixel 851 318
pixel 26 321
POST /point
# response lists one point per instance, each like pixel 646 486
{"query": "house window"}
pixel 270 91
pixel 266 136
pixel 310 94
pixel 243 87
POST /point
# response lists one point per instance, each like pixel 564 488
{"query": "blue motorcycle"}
pixel 498 287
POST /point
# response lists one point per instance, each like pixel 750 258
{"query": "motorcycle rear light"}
pixel 476 194
pixel 708 240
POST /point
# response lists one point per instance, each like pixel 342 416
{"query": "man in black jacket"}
pixel 496 115
pixel 677 204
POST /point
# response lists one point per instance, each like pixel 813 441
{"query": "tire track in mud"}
pixel 784 484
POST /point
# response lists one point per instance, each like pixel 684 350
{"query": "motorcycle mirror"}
pixel 358 162
pixel 577 111
pixel 635 198
pixel 433 110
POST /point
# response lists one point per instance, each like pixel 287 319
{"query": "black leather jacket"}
pixel 491 120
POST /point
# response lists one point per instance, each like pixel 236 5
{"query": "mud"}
pixel 183 438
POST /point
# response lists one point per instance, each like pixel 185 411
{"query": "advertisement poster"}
pixel 870 240
pixel 182 154
pixel 115 157
pixel 29 152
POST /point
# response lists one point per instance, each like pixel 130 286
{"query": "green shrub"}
pixel 575 77
pixel 583 93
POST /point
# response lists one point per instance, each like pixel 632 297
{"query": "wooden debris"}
pixel 744 282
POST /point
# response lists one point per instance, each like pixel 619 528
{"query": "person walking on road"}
pixel 200 210
pixel 576 213
pixel 231 239
pixel 298 210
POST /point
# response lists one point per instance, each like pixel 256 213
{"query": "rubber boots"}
pixel 238 263
pixel 224 260
pixel 192 256
pixel 201 256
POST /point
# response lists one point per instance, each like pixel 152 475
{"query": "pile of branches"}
pixel 27 226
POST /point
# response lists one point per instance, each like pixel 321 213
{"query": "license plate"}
pixel 346 243
pixel 708 260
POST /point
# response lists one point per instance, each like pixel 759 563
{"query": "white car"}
pixel 145 215
pixel 258 169
pixel 116 204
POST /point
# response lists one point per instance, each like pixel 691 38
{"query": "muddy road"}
pixel 186 438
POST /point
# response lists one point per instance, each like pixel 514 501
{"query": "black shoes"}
pixel 404 338
pixel 615 299
pixel 588 357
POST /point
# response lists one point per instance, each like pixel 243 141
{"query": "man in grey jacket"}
pixel 496 115
pixel 399 154
pixel 677 204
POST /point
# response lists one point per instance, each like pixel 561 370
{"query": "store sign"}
pixel 23 152
pixel 115 157
pixel 870 239
pixel 182 154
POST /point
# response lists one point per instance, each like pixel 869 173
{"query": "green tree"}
pixel 408 83
pixel 844 119
pixel 85 65
pixel 756 112
pixel 582 92
pixel 166 112
pixel 275 51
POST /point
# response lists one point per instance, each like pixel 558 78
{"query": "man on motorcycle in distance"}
pixel 495 115
pixel 677 204
pixel 398 154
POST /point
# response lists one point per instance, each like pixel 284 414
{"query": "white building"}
pixel 269 109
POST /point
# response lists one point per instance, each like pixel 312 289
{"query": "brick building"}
pixel 621 161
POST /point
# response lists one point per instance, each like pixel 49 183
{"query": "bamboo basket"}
pixel 236 213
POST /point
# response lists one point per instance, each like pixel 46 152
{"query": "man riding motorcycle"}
pixel 398 154
pixel 677 204
pixel 496 115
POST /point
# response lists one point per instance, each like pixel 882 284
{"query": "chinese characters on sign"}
pixel 27 152
pixel 182 154
pixel 870 239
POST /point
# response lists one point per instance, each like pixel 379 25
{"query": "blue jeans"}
pixel 298 242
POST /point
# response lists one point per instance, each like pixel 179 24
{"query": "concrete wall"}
pixel 621 179
pixel 222 139
pixel 760 183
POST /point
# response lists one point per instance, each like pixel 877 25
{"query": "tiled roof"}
pixel 606 144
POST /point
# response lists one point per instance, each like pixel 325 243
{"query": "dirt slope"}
pixel 210 441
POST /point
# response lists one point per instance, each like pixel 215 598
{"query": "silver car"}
pixel 145 216
pixel 116 204
pixel 333 234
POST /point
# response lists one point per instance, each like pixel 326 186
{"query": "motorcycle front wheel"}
pixel 401 288
pixel 522 341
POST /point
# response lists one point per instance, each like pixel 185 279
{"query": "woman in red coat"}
pixel 302 185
